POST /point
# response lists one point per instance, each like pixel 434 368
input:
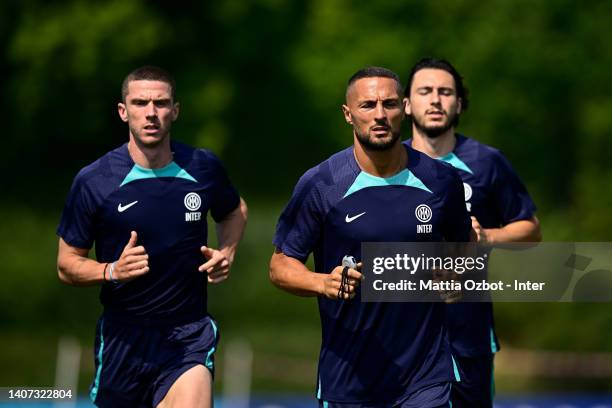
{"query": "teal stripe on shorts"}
pixel 96 385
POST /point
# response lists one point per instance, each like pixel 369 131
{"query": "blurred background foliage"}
pixel 261 83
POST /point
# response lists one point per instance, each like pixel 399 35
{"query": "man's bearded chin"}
pixel 379 145
pixel 434 131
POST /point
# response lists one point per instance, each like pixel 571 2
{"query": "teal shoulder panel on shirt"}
pixel 171 170
pixel 403 178
pixel 456 162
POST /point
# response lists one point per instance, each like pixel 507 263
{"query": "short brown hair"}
pixel 148 73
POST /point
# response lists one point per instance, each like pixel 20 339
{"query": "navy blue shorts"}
pixel 136 365
pixel 432 396
pixel 477 387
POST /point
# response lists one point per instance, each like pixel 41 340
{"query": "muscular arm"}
pixel 293 276
pixel 229 233
pixel 518 231
pixel 75 268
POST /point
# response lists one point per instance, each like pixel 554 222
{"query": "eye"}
pixel 367 105
pixel 162 103
pixel 392 103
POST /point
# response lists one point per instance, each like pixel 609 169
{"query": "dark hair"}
pixel 437 63
pixel 375 72
pixel 148 73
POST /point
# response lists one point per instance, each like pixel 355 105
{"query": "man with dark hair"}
pixel 371 72
pixel 144 205
pixel 372 354
pixel 497 200
pixel 460 90
pixel 148 73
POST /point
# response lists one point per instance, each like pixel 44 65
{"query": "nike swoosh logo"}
pixel 353 218
pixel 122 208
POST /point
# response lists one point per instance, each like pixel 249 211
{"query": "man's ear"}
pixel 175 111
pixel 122 110
pixel 407 107
pixel 347 114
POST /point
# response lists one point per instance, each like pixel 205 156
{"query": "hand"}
pixel 482 234
pixel 217 266
pixel 332 281
pixel 446 275
pixel 133 262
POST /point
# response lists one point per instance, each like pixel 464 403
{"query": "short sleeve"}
pixel 509 194
pixel 457 223
pixel 224 197
pixel 300 224
pixel 77 219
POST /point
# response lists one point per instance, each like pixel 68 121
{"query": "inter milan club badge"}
pixel 423 213
pixel 192 203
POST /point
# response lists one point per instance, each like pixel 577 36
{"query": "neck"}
pixel 150 157
pixel 384 163
pixel 433 146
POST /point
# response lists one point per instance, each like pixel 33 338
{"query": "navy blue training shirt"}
pixel 374 351
pixel 495 195
pixel 167 207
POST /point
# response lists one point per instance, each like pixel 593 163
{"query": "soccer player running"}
pixel 499 205
pixel 372 354
pixel 144 205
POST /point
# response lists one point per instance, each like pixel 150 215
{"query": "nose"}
pixel 435 98
pixel 151 110
pixel 380 111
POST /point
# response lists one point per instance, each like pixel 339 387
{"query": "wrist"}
pixel 228 253
pixel 111 269
pixel 319 284
pixel 492 235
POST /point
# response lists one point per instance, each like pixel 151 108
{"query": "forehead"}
pixel 435 78
pixel 147 89
pixel 374 88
